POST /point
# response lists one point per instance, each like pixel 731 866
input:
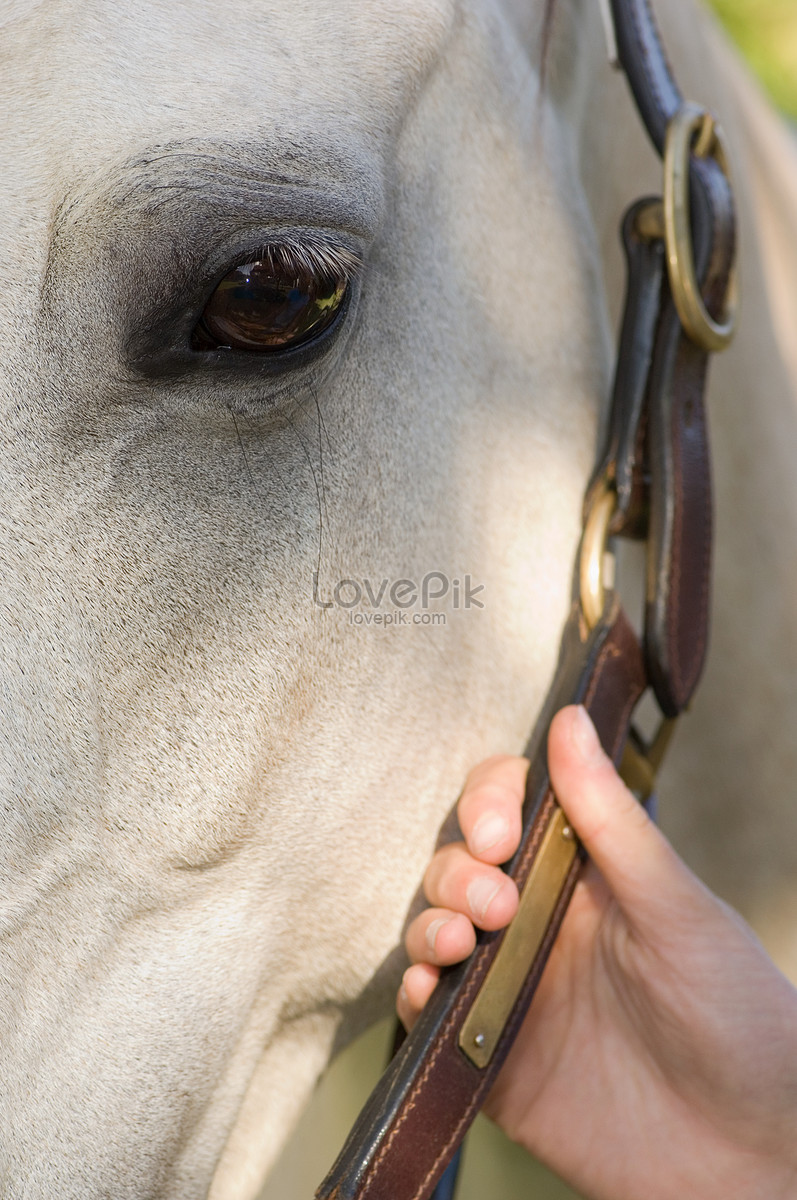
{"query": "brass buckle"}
pixel 642 757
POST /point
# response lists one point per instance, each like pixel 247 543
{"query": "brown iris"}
pixel 271 304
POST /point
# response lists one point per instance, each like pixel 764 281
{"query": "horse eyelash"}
pixel 305 258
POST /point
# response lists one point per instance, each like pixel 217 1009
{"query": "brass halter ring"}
pixel 691 120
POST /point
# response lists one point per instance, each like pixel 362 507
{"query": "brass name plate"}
pixel 495 999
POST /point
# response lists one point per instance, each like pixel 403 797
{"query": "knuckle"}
pixel 488 794
pixel 441 867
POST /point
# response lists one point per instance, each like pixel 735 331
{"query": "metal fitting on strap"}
pixel 642 760
pixel 692 130
pixel 594 543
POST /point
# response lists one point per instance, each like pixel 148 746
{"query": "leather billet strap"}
pixel 658 439
pixel 654 471
pixel 430 1093
pixel 656 460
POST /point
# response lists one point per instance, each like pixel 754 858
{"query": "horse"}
pixel 308 316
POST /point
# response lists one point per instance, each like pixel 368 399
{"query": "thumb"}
pixel 635 859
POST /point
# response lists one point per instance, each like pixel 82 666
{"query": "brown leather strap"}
pixel 642 57
pixel 622 463
pixel 425 1102
pixel 656 459
pixel 680 529
pixel 666 471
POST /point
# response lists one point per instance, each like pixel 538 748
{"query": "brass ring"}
pixel 593 547
pixel 701 327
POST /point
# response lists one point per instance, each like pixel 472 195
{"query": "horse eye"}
pixel 268 306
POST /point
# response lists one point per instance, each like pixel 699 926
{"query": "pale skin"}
pixel 659 1057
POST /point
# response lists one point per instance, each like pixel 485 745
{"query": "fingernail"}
pixel 489 830
pixel 481 893
pixel 585 739
pixel 433 930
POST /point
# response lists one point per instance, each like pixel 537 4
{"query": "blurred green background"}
pixel 766 33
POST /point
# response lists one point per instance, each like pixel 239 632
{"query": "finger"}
pixel 631 853
pixel 489 808
pixel 455 880
pixel 440 936
pixel 416 987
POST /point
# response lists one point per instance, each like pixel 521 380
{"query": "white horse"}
pixel 219 783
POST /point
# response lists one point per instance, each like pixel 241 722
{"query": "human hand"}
pixel 659 1056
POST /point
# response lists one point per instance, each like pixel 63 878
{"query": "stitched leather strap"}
pixel 425 1102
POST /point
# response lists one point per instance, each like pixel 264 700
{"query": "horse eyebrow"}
pixel 229 176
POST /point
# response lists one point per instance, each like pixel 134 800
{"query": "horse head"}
pixel 300 383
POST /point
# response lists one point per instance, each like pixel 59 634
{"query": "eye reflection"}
pixel 285 297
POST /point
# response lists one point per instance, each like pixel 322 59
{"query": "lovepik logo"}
pixel 433 591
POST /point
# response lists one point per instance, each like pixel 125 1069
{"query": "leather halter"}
pixel 651 483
